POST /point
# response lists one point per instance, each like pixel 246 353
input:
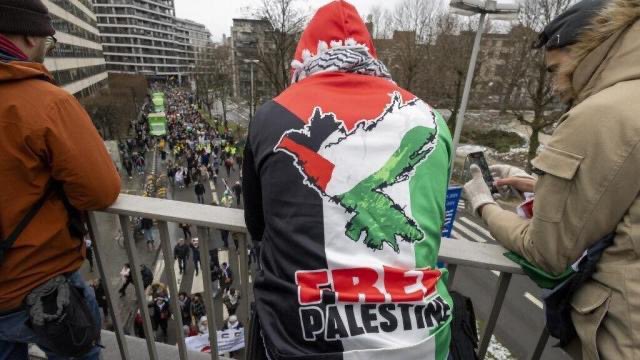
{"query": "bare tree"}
pixel 276 50
pixel 204 77
pixel 518 66
pixel 534 83
pixel 414 24
pixel 382 21
pixel 222 85
pixel 111 112
pixel 213 77
pixel 449 61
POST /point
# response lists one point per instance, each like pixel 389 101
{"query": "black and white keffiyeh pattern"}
pixel 349 57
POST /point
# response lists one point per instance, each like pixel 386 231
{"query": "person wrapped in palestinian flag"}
pixel 345 177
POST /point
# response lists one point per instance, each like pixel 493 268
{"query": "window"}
pixel 64 77
pixel 72 29
pixel 73 10
pixel 67 50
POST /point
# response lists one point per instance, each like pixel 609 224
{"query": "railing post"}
pixel 501 291
pixel 234 264
pixel 165 242
pixel 208 292
pixel 244 270
pixel 542 343
pixel 104 280
pixel 141 299
pixel 452 273
pixel 243 275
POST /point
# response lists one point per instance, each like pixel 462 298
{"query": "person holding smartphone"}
pixel 587 185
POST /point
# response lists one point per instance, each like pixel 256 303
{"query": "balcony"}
pixel 167 213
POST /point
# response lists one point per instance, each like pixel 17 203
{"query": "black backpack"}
pixel 464 334
pixel 68 328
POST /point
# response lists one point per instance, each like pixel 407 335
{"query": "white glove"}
pixel 476 191
pixel 501 172
pixel 506 171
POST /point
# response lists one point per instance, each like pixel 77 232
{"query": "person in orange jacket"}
pixel 45 135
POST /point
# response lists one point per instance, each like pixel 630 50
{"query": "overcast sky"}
pixel 217 14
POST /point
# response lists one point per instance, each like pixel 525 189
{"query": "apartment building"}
pixel 195 34
pixel 144 37
pixel 77 64
pixel 247 35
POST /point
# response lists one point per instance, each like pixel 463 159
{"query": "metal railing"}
pixel 454 253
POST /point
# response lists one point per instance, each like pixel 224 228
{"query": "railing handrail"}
pixel 179 212
pixel 477 255
pixel 453 252
pixel 458 251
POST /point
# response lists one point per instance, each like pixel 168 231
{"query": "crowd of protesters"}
pixel 133 150
pixel 194 151
pixel 199 149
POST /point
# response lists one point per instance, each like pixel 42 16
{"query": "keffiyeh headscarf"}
pixel 347 57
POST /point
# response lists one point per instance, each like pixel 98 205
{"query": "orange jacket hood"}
pixel 19 70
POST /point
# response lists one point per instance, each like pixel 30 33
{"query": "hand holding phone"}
pixel 478 159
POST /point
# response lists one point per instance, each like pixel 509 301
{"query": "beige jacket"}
pixel 591 187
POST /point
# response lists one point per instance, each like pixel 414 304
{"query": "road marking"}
pixel 496 273
pixel 214 193
pixel 455 235
pixel 534 300
pixel 468 233
pixel 477 227
pixel 157 273
pixel 198 285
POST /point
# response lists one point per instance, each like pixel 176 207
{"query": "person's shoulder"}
pixel 39 98
pixel 614 108
pixel 49 95
pixel 619 101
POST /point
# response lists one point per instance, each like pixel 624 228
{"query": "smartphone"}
pixel 477 158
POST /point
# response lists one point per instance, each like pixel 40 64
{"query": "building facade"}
pixel 77 64
pixel 247 35
pixel 492 78
pixel 193 33
pixel 145 37
pixel 447 60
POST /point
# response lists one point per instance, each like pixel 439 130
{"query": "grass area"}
pixel 500 140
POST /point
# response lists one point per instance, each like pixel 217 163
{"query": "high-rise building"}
pixel 144 37
pixel 77 64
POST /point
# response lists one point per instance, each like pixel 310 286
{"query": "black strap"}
pixel 7 243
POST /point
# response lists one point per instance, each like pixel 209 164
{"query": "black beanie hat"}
pixel 567 27
pixel 25 17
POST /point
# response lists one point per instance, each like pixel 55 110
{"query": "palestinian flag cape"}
pixel 345 181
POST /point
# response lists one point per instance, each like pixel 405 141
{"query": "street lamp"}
pixel 253 101
pixel 504 9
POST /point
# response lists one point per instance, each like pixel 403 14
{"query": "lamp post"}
pixel 253 101
pixel 470 8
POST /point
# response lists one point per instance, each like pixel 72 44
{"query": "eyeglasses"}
pixel 50 43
